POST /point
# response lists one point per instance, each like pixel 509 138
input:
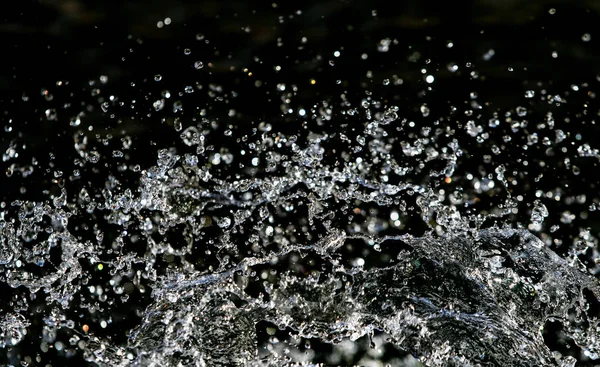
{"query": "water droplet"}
pixel 224 222
pixel 177 124
pixel 489 54
pixel 159 104
pixel 51 114
pixel 384 45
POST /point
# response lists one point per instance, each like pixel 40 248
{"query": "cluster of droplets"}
pixel 207 313
pixel 352 220
pixel 466 299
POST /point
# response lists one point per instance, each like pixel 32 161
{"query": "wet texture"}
pixel 266 185
pixel 472 298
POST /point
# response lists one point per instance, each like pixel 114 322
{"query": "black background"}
pixel 76 42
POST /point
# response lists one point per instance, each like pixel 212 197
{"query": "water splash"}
pixel 371 230
pixel 460 299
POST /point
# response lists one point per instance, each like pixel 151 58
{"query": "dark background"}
pixel 74 43
pixel 62 48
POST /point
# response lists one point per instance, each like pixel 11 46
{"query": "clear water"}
pixel 347 234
